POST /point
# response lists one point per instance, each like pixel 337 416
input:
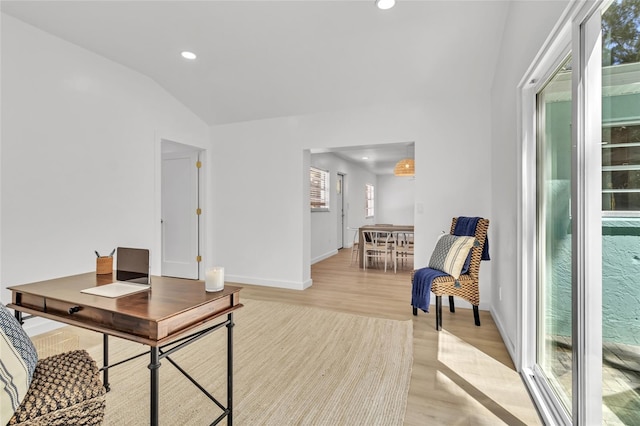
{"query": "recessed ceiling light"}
pixel 188 55
pixel 365 158
pixel 385 4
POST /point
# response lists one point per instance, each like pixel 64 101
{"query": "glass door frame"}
pixel 587 224
pixel 578 34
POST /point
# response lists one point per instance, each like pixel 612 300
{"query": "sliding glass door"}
pixel 621 213
pixel 554 257
pixel 581 195
pixel 562 222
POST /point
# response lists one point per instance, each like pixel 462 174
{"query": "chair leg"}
pixel 438 313
pixel 415 311
pixel 452 306
pixel 476 315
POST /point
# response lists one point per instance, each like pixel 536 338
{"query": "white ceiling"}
pixel 265 59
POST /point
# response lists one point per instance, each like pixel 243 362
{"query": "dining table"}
pixel 379 227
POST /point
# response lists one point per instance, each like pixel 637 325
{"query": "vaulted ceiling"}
pixel 264 59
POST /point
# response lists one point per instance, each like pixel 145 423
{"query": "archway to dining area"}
pixel 360 190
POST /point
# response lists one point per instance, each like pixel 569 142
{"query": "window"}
pixel 319 187
pixel 621 108
pixel 621 168
pixel 370 200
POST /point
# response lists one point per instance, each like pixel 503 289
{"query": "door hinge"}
pixel 198 211
pixel 198 164
pixel 198 258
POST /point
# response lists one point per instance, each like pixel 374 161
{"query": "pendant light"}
pixel 405 167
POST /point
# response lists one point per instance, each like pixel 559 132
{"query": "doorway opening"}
pixel 353 170
pixel 340 209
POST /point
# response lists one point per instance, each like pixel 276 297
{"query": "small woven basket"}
pixel 104 265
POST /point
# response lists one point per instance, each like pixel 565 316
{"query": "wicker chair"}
pixel 59 390
pixel 66 390
pixel 468 287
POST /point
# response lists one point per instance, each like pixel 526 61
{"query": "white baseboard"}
pixel 324 256
pixel 511 347
pixel 292 285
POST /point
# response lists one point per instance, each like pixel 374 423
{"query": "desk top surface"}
pixel 167 296
pixel 171 305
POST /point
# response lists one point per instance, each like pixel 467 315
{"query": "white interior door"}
pixel 180 214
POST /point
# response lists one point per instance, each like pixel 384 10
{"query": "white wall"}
pixel 453 178
pixel 261 234
pixel 80 156
pixel 394 200
pixel 528 25
pixel 453 175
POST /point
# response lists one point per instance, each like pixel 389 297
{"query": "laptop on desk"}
pixel 132 265
pixel 132 274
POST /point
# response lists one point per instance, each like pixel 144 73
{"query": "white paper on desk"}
pixel 116 289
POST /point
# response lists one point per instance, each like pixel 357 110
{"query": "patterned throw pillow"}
pixel 450 253
pixel 19 359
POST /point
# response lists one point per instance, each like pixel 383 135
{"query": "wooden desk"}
pixel 166 316
pixel 387 228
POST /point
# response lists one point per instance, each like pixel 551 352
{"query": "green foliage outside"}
pixel 621 33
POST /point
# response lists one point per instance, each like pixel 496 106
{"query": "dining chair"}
pixel 355 246
pixel 377 245
pixel 403 248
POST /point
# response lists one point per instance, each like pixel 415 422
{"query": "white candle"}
pixel 214 279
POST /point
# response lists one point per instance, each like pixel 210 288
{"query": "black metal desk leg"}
pixel 18 315
pixel 230 369
pixel 155 382
pixel 105 362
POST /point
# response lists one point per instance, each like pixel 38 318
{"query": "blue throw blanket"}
pixel 466 226
pixel 421 289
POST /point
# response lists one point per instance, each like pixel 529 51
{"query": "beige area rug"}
pixel 293 365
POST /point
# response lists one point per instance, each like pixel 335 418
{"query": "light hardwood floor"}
pixel 462 375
